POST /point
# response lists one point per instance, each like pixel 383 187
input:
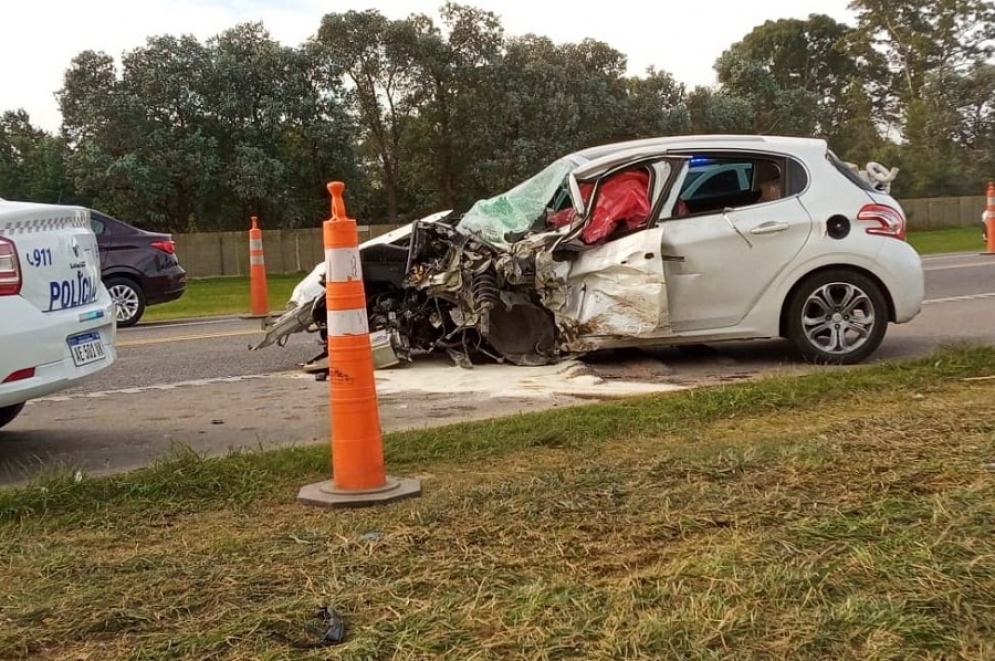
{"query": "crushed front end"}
pixel 465 296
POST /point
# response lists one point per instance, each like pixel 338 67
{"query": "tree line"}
pixel 427 113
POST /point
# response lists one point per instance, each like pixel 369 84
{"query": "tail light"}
pixel 10 269
pixel 890 221
pixel 20 375
pixel 168 246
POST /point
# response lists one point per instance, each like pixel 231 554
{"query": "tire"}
pixel 837 317
pixel 8 413
pixel 129 300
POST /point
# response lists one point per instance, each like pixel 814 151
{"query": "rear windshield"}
pixel 848 172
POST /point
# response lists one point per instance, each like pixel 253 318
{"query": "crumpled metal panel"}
pixel 615 291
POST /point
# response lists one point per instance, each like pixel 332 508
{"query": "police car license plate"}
pixel 86 348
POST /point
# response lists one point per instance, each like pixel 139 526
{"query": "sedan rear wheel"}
pixel 837 317
pixel 129 299
pixel 8 413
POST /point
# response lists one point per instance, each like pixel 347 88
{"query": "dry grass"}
pixel 837 516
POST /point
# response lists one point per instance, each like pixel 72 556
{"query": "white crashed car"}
pixel 57 318
pixel 667 241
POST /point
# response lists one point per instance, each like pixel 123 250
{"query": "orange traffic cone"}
pixel 990 220
pixel 358 476
pixel 258 296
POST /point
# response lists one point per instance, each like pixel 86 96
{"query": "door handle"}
pixel 769 228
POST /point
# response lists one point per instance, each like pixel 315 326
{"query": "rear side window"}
pixel 848 172
pixel 797 177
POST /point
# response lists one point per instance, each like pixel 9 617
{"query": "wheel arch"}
pixel 786 301
pixel 123 274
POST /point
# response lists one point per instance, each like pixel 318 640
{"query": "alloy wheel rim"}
pixel 838 318
pixel 126 301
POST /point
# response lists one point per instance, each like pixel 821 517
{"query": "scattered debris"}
pixel 331 630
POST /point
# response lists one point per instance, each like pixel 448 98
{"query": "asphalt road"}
pixel 196 383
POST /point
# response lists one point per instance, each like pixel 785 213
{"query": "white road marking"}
pixel 179 338
pixel 180 324
pixel 958 299
pixel 162 386
pixel 952 267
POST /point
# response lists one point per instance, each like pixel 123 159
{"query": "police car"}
pixel 56 318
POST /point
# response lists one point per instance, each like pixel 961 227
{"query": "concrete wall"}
pixel 206 254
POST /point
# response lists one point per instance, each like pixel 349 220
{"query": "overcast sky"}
pixel 38 38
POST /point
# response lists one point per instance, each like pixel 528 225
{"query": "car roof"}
pixel 793 145
pixel 12 210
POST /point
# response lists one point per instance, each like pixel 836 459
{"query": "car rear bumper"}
pixel 33 339
pixel 165 288
pixel 905 278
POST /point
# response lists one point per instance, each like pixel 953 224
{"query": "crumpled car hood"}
pixel 300 306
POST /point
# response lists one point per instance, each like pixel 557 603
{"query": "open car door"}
pixel 615 289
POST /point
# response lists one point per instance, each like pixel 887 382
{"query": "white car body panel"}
pixel 61 302
pixel 707 289
pixel 688 276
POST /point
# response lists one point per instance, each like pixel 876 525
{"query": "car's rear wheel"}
pixel 129 299
pixel 8 413
pixel 837 317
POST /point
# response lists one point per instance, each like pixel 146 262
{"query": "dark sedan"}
pixel 139 268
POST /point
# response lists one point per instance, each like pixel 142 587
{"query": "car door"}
pixel 616 287
pixel 723 257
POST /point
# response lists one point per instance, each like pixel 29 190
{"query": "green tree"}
pixel 806 77
pixel 923 38
pixel 932 51
pixel 453 64
pixel 377 56
pixel 718 111
pixel 201 135
pixel 545 100
pixel 656 105
pixel 32 162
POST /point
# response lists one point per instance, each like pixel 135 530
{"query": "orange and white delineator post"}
pixel 258 296
pixel 358 475
pixel 990 219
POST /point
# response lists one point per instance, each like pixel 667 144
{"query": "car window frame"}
pixel 787 189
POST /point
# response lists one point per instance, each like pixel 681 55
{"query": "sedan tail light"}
pixel 890 221
pixel 168 246
pixel 10 269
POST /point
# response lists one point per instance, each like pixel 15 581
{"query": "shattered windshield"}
pixel 518 209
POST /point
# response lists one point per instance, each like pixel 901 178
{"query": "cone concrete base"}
pixel 324 494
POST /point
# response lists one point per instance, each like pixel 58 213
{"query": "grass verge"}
pixel 845 515
pixel 206 297
pixel 934 242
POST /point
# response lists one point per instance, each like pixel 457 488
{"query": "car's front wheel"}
pixel 129 300
pixel 837 317
pixel 8 413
